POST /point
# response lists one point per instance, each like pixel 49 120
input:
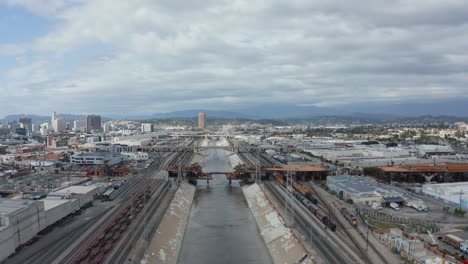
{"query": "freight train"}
pixel 323 217
pixel 310 202
pixel 348 216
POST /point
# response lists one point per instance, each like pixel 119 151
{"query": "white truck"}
pixel 417 207
pixel 376 206
pixel 464 246
pixel 420 207
pixel 395 206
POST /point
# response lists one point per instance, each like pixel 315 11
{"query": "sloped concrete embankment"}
pixel 283 246
pixel 166 243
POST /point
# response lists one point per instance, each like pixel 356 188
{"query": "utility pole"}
pixel 367 239
pixel 461 193
pixel 288 200
pixel 257 168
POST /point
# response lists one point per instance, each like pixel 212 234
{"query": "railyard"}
pixel 119 226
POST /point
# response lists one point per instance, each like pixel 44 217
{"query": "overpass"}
pixel 189 135
pixel 196 148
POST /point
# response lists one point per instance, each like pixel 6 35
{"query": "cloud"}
pixel 42 7
pixel 144 56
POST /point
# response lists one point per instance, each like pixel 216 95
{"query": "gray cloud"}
pixel 150 56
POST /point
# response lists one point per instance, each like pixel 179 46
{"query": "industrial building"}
pixel 136 156
pixel 84 194
pixel 97 158
pixel 455 194
pixel 442 172
pixel 365 190
pixel 20 221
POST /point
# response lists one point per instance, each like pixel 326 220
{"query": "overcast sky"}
pixel 147 56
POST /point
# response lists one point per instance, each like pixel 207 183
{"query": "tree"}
pixel 459 211
pixel 369 170
pixel 341 194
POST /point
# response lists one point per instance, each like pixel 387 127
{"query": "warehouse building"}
pixel 20 221
pixel 97 158
pixel 84 194
pixel 421 173
pixel 136 156
pixel 57 208
pixel 455 194
pixel 365 190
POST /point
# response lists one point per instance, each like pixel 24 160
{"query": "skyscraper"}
pixel 202 120
pixel 93 122
pixel 26 122
pixel 59 125
pixel 54 116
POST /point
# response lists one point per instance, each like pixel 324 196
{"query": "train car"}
pixel 328 223
pixel 306 202
pixel 298 195
pixel 321 215
pixel 311 198
pixel 313 208
pixel 348 216
pixel 280 178
pixel 107 195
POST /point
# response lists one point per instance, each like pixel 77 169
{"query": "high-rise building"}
pixel 26 122
pixel 35 127
pixel 202 120
pixel 107 127
pixel 54 116
pixel 93 122
pixel 79 125
pixel 59 125
pixel 147 128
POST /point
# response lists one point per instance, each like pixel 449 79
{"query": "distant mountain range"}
pixel 371 110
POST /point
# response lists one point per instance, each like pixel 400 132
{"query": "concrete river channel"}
pixel 221 227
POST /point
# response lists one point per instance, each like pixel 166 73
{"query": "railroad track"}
pixel 358 250
pixel 123 249
pixel 54 249
pixel 302 218
pixel 98 243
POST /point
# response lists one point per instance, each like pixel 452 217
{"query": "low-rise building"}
pixel 455 193
pixel 365 190
pixel 136 156
pixel 97 158
pixel 20 221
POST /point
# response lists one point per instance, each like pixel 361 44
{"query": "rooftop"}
pixel 52 203
pixel 91 154
pixel 440 167
pixel 364 186
pixel 300 168
pixel 11 207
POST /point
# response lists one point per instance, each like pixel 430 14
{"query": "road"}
pixel 221 228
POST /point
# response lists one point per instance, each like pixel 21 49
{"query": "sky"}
pixel 149 56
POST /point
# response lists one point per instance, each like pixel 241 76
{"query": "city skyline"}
pixel 136 59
